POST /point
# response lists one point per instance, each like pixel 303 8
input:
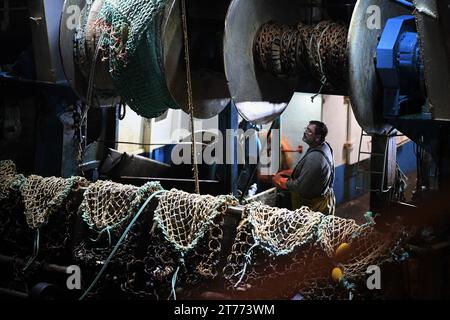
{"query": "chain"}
pixel 320 50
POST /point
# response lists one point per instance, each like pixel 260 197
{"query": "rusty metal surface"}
pixel 434 47
pixel 209 89
pixel 364 89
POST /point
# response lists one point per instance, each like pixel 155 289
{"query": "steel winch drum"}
pixel 210 91
pixel 209 88
pixel 365 91
pixel 78 75
pixel 246 80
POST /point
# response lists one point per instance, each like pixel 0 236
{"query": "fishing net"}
pixel 132 43
pixel 7 167
pixel 107 204
pixel 278 253
pixel 44 196
pixel 106 210
pixel 50 207
pixel 187 240
pixel 275 253
pixel 10 181
pixel 13 230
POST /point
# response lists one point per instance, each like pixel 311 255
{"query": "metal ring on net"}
pixel 300 250
pixel 107 208
pixel 189 227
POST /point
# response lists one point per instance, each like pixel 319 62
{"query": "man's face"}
pixel 309 136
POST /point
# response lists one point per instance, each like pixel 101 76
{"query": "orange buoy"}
pixel 337 274
pixel 342 252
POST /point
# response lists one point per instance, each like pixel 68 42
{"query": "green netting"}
pixel 133 44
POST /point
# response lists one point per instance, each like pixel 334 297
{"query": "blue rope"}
pixel 109 237
pixel 174 281
pixel 107 229
pixel 248 260
pixel 369 216
pixel 113 252
pixel 35 251
pixel 175 277
pixel 242 273
pixel 349 286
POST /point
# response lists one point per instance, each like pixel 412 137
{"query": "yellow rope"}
pixel 189 92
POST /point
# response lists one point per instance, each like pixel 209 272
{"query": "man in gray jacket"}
pixel 311 181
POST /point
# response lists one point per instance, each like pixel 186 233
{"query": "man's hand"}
pixel 286 173
pixel 279 181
